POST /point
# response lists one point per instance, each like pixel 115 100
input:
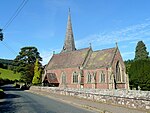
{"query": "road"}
pixel 19 101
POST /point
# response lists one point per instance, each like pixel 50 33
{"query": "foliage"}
pixel 37 73
pixel 6 64
pixel 8 74
pixel 5 81
pixel 24 63
pixel 140 52
pixel 128 65
pixel 139 74
pixel 139 68
pixel 1 35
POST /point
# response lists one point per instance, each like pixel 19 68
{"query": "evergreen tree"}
pixel 139 74
pixel 24 63
pixel 140 52
pixel 1 35
pixel 128 65
pixel 37 73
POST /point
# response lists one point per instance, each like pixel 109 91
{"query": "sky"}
pixel 42 24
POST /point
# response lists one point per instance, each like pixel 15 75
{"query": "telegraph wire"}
pixel 23 3
pixel 8 47
pixel 15 14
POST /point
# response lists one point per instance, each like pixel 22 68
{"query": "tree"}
pixel 1 35
pixel 128 65
pixel 139 74
pixel 37 73
pixel 140 52
pixel 24 63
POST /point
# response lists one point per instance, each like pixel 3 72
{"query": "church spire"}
pixel 69 44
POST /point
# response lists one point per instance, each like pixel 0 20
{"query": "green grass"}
pixel 8 74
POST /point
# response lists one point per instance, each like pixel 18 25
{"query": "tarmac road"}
pixel 19 101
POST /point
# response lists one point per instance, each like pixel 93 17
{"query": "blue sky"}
pixel 42 23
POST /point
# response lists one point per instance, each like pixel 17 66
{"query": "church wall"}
pixel 96 83
pixel 121 86
pixel 123 81
pixel 68 72
pixel 102 86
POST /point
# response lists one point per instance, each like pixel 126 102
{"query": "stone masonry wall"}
pixel 129 98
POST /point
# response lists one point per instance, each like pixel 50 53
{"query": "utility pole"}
pixel 1 35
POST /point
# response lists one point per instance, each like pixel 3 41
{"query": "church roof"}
pixel 68 59
pixel 51 78
pixel 101 58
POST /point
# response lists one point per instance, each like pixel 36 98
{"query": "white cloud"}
pixel 131 34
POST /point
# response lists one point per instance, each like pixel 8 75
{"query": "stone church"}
pixel 85 68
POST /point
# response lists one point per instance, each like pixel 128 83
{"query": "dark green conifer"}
pixel 141 52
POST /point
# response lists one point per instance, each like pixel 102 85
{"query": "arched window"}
pixel 118 72
pixel 102 77
pixel 63 78
pixel 89 77
pixel 75 77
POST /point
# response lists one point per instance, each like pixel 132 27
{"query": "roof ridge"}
pixel 82 49
pixel 104 49
pixel 72 51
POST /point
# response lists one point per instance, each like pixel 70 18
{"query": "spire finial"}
pixel 90 45
pixel 69 10
pixel 116 45
pixel 53 52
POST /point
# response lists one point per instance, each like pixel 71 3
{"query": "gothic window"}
pixel 89 78
pixel 75 77
pixel 102 77
pixel 63 78
pixel 118 72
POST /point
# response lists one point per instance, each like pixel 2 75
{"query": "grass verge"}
pixel 8 74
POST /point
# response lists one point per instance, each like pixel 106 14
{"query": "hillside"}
pixel 8 74
pixel 6 64
pixel 6 61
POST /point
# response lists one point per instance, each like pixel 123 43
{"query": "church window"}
pixel 63 78
pixel 118 72
pixel 89 78
pixel 102 77
pixel 75 77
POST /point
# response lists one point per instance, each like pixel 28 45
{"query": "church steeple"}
pixel 69 44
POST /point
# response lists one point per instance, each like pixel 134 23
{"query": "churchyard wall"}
pixel 129 98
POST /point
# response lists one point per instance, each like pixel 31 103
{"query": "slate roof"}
pixel 68 59
pixel 51 78
pixel 101 58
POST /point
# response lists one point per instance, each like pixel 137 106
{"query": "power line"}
pixel 8 47
pixel 23 3
pixel 15 14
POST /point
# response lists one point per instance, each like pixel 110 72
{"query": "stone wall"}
pixel 129 98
